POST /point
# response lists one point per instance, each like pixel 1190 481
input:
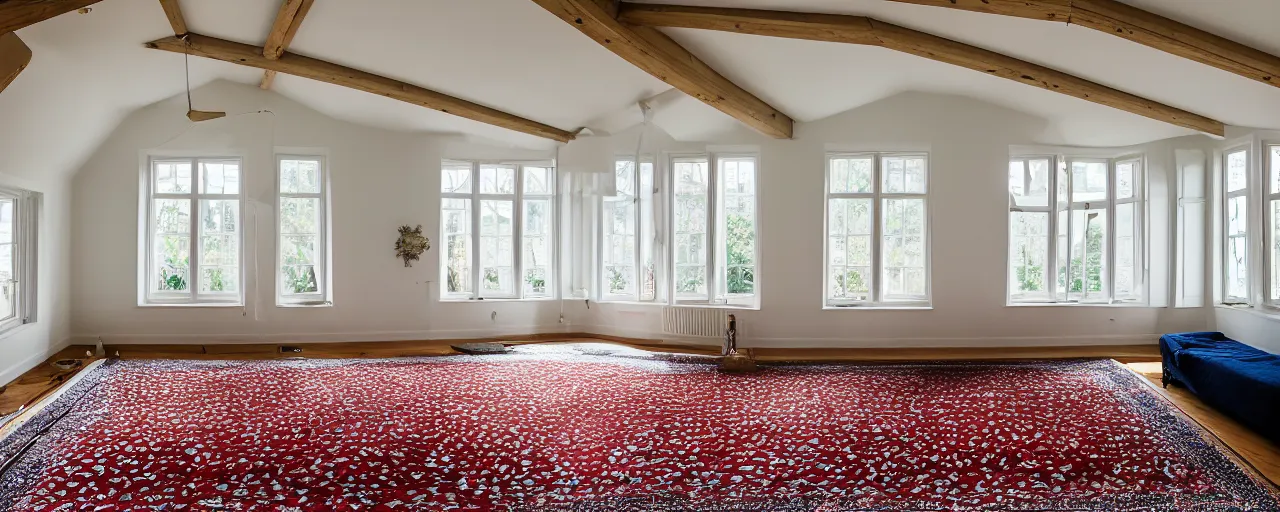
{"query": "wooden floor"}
pixel 1262 454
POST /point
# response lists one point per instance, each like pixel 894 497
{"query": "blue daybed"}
pixel 1237 379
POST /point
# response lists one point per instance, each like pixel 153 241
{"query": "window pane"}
pixel 219 255
pixel 1029 182
pixel 299 176
pixel 1128 253
pixel 456 219
pixel 299 243
pixel 691 213
pixel 537 181
pixel 537 247
pixel 1088 256
pixel 6 221
pixel 738 189
pixel 849 249
pixel 497 179
pixel 851 175
pixel 220 177
pixel 1275 169
pixel 902 250
pixel 173 177
pixel 1275 251
pixel 8 275
pixel 496 248
pixel 648 271
pixel 619 246
pixel 456 179
pixel 171 244
pixel 1029 255
pixel 1237 258
pixel 1237 170
pixel 1088 181
pixel 1126 175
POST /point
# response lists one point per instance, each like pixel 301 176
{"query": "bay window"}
pixel 1076 230
pixel 193 235
pixel 498 226
pixel 877 239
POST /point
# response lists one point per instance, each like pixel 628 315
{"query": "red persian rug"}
pixel 586 427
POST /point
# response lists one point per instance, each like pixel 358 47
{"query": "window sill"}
pixel 484 301
pixel 738 307
pixel 1078 305
pixel 13 331
pixel 1263 311
pixel 904 307
pixel 306 305
pixel 192 305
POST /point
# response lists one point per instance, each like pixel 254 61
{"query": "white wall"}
pixel 969 146
pixel 28 345
pixel 380 180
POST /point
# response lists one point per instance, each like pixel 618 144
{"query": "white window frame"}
pixel 1061 166
pixel 1250 209
pixel 1271 189
pixel 716 278
pixel 149 296
pixel 517 231
pixel 877 298
pixel 603 294
pixel 25 256
pixel 324 268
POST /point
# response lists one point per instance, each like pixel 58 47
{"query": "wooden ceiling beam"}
pixel 173 12
pixel 315 69
pixel 867 31
pixel 660 56
pixel 1137 25
pixel 14 57
pixel 16 14
pixel 282 31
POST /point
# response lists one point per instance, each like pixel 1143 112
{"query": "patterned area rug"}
pixel 592 427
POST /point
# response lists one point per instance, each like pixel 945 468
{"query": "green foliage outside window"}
pixel 740 237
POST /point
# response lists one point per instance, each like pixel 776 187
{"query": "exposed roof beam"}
pixel 315 69
pixel 14 57
pixel 15 14
pixel 174 12
pixel 1139 26
pixel 867 31
pixel 282 31
pixel 660 56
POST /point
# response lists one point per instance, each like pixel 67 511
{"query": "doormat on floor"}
pixel 580 427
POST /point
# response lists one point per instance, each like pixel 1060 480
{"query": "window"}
pixel 715 230
pixel 193 234
pixel 506 210
pixel 302 276
pixel 1273 222
pixel 19 210
pixel 628 270
pixel 1235 246
pixel 877 230
pixel 1076 230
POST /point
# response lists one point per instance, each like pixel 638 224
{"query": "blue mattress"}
pixel 1237 379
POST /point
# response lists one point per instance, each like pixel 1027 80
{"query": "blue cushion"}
pixel 1237 379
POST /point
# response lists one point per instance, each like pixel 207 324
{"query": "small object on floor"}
pixel 66 364
pixel 481 348
pixel 737 363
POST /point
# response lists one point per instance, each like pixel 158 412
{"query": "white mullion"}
pixel 1270 195
pixel 1109 281
pixel 637 225
pixel 711 268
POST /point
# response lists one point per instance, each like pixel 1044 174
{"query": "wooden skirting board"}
pixel 1145 359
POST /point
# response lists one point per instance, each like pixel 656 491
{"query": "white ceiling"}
pixel 90 70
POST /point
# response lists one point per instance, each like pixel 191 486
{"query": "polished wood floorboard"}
pixel 1262 454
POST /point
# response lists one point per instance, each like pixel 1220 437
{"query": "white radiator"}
pixel 692 321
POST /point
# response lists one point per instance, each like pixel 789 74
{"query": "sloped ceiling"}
pixel 90 70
